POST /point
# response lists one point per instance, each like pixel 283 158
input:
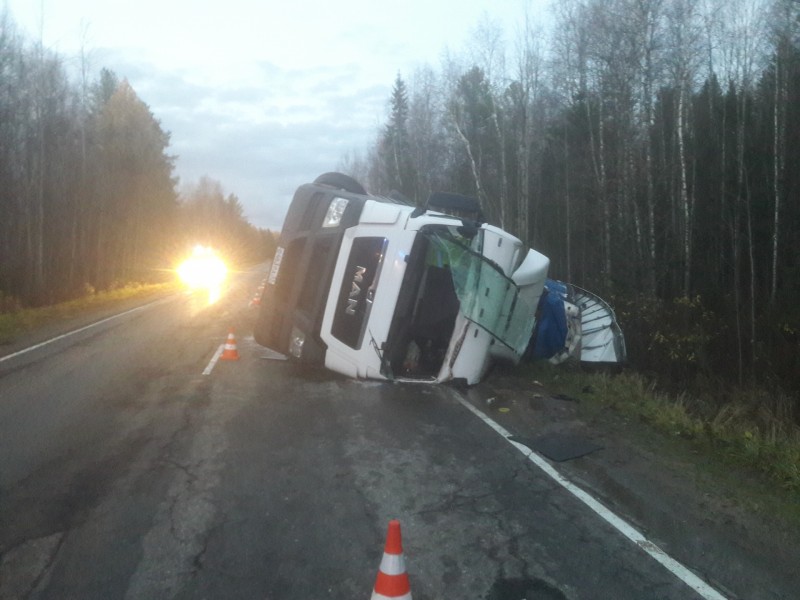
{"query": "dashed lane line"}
pixel 213 362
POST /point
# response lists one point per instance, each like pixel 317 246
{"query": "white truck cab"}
pixel 374 288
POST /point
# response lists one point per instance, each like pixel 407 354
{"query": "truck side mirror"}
pixel 468 229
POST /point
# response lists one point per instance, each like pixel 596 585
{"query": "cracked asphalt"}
pixel 126 473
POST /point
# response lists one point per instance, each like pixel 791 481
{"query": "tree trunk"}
pixel 503 200
pixel 779 133
pixel 567 204
pixel 474 165
pixel 686 207
pixel 604 198
pixel 737 223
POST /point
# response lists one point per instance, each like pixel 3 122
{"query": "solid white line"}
pixel 212 363
pixel 625 528
pixel 95 324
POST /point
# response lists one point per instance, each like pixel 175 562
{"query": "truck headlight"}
pixel 335 211
pixel 296 342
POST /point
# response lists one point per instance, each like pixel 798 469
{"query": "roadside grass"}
pixel 15 321
pixel 750 429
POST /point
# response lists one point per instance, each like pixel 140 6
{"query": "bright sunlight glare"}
pixel 203 270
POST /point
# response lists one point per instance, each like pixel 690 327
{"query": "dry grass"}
pixel 15 321
pixel 754 429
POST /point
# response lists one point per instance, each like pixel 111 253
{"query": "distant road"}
pixel 125 472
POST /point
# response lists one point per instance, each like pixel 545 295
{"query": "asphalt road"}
pixel 125 472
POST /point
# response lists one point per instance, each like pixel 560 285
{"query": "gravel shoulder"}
pixel 730 526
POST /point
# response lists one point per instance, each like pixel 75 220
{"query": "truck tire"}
pixel 456 204
pixel 342 182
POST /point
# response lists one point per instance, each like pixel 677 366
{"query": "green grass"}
pixel 18 321
pixel 751 429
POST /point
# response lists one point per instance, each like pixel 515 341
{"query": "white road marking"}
pixel 69 333
pixel 625 528
pixel 213 362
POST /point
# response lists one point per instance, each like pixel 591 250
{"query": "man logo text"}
pixel 355 291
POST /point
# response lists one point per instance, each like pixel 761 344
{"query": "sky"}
pixel 263 96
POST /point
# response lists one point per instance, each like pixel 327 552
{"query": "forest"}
pixel 651 149
pixel 88 199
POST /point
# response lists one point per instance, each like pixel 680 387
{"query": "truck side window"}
pixel 358 290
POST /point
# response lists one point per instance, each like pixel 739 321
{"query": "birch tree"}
pixel 525 99
pixel 648 31
pixel 785 25
pixel 570 81
pixel 470 115
pixel 747 26
pixel 427 134
pixel 488 54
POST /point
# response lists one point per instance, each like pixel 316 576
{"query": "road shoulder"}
pixel 82 318
pixel 729 525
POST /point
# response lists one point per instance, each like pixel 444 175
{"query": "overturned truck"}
pixel 372 287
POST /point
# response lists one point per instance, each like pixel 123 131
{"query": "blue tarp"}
pixel 551 327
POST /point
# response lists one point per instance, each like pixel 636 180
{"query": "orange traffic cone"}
pixel 256 301
pixel 392 580
pixel 230 352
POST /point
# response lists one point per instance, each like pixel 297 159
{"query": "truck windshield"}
pixel 487 296
pixel 447 275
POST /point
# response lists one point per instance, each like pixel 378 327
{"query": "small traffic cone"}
pixel 230 352
pixel 256 301
pixel 392 580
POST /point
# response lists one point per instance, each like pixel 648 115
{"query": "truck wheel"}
pixel 456 204
pixel 341 181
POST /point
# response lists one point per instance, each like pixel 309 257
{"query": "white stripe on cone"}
pixel 230 352
pixel 393 564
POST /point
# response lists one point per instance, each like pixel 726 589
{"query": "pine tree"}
pixel 395 148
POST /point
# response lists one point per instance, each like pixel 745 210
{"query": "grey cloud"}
pixel 307 120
